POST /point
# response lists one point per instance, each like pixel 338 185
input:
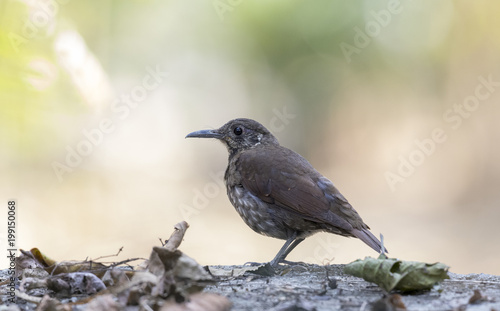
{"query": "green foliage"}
pixel 391 273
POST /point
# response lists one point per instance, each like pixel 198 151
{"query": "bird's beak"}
pixel 205 134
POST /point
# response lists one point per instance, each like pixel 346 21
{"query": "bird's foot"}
pixel 282 262
pixel 294 263
pixel 263 269
pixel 273 268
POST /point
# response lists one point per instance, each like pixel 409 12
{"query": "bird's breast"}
pixel 258 215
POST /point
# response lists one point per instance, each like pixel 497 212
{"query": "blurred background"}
pixel 397 102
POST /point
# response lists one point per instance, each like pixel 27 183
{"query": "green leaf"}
pixel 391 273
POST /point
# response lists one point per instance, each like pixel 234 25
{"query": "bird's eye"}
pixel 238 130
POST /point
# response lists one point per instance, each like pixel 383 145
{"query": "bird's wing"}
pixel 290 182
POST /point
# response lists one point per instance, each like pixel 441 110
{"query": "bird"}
pixel 278 193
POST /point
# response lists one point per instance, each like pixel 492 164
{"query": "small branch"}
pixel 176 238
pixel 27 297
pixel 107 256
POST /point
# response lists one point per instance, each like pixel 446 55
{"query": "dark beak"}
pixel 205 134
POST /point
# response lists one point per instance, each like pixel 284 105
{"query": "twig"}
pixel 176 238
pixel 106 256
pixel 27 297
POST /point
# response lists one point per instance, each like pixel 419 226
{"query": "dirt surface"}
pixel 314 287
pixel 171 280
pixel 309 288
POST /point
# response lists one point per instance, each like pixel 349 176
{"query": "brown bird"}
pixel 278 193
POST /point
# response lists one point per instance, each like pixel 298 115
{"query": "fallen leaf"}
pixel 162 260
pixel 52 304
pixel 391 273
pixel 103 303
pixel 54 267
pixel 67 284
pixel 200 302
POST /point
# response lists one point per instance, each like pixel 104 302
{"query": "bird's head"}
pixel 239 134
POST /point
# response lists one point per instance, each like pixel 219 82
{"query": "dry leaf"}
pixel 103 303
pixel 200 302
pixel 53 267
pixel 390 273
pixel 67 284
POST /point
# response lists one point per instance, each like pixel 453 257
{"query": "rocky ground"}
pixel 328 288
pixel 314 287
pixel 171 280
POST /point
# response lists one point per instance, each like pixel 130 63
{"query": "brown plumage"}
pixel 278 193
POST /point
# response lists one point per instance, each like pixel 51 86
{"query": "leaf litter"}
pixel 171 280
pixel 168 280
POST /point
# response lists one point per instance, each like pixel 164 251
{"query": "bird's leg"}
pixel 288 250
pixel 279 256
pixel 289 245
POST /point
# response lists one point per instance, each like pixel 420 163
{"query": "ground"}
pixel 313 287
pixel 327 288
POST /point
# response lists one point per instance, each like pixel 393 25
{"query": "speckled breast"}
pixel 257 214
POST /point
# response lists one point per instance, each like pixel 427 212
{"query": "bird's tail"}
pixel 366 236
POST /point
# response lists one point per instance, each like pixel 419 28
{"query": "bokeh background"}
pixel 96 98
